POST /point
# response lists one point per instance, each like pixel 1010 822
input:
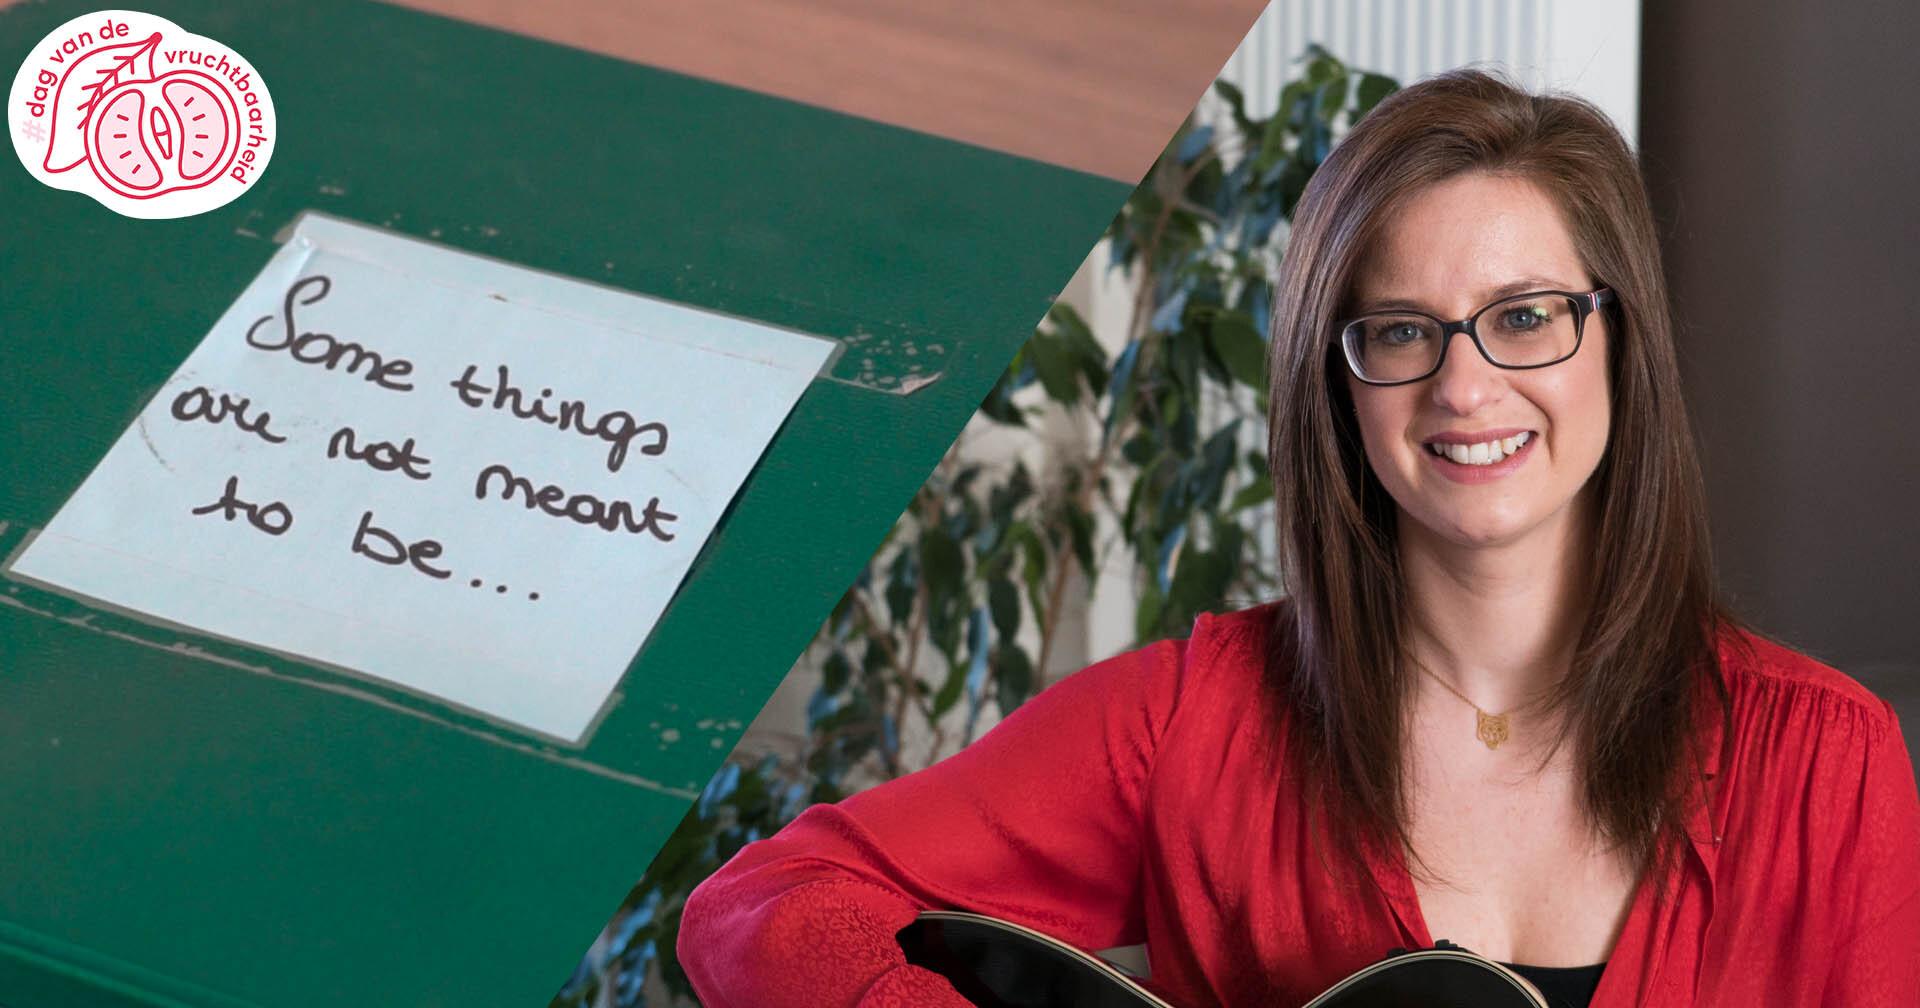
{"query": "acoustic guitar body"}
pixel 996 964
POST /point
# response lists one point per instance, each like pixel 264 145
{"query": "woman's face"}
pixel 1451 250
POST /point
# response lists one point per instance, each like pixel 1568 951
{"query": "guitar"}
pixel 997 964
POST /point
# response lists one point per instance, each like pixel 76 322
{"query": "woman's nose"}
pixel 1466 380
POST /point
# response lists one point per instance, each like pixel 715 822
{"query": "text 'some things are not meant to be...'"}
pixel 477 482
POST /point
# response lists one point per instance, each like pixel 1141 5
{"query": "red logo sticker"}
pixel 151 120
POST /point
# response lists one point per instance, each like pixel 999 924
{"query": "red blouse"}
pixel 1129 803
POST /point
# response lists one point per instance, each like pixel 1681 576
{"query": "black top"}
pixel 1564 986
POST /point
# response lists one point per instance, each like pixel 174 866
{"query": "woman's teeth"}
pixel 1484 453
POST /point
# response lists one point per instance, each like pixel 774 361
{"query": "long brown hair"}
pixel 1630 702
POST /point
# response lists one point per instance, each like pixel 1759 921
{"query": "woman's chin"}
pixel 1476 531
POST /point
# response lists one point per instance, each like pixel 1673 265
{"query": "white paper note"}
pixel 478 482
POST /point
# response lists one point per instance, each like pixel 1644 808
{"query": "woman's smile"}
pixel 1480 457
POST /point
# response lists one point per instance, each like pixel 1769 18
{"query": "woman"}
pixel 1501 705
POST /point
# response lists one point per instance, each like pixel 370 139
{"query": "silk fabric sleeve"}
pixel 1037 822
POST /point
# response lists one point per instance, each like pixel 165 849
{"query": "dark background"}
pixel 1781 145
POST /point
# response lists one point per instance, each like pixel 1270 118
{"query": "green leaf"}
pixel 1053 362
pixel 1122 249
pixel 874 663
pixel 943 568
pixel 1129 518
pixel 1080 528
pixel 1256 296
pixel 1373 87
pixel 1291 97
pixel 1199 581
pixel 1004 501
pixel 1211 468
pixel 835 672
pixel 949 693
pixel 1182 359
pixel 1012 676
pixel 1142 214
pixel 1020 484
pixel 1200 333
pixel 945 622
pixel 902 585
pixel 1146 616
pixel 1318 142
pixel 1121 389
pixel 1257 228
pixel 1329 99
pixel 1293 183
pixel 1077 339
pixel 1257 492
pixel 1182 423
pixel 1272 150
pixel 1003 599
pixel 1165 546
pixel 1207 282
pixel 1033 568
pixel 1067 323
pixel 821 707
pixel 941 561
pixel 1322 66
pixel 1236 105
pixel 841 618
pixel 1229 541
pixel 1166 318
pixel 1140 448
pixel 998 405
pixel 1193 143
pixel 1239 347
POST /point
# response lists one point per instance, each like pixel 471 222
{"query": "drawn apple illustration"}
pixel 150 120
pixel 208 137
pixel 118 144
pixel 148 137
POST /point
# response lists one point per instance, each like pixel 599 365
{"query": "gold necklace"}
pixel 1492 729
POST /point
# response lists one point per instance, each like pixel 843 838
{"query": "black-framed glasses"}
pixel 1533 330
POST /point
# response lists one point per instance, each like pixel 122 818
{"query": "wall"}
pixel 1588 46
pixel 1781 145
pixel 1080 83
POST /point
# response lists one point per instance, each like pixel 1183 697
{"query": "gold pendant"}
pixel 1492 728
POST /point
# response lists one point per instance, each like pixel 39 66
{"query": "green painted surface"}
pixel 249 831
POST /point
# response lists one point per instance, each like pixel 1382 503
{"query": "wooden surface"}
pixel 1096 85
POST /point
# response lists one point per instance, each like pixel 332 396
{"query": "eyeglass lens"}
pixel 1526 331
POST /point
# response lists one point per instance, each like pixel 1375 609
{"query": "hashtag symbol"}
pixel 33 131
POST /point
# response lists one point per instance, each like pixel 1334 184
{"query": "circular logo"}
pixel 151 120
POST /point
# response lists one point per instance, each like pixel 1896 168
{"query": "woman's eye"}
pixel 1398 334
pixel 1525 319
